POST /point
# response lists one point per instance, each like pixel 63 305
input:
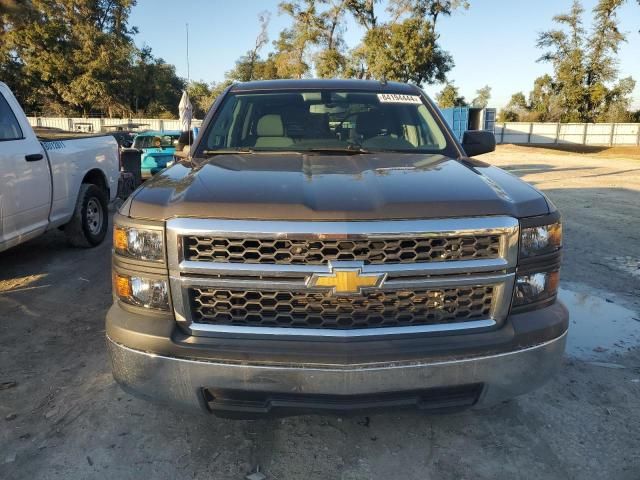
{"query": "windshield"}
pixel 158 141
pixel 323 120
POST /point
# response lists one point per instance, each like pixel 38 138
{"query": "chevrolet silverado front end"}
pixel 329 245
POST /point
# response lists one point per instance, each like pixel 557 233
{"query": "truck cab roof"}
pixel 152 133
pixel 326 84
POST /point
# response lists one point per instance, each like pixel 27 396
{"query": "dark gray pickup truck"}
pixel 329 245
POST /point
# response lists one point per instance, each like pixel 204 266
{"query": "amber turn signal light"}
pixel 120 243
pixel 122 286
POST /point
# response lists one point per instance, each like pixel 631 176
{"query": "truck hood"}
pixel 295 186
pixel 158 153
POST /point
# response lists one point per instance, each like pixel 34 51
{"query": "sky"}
pixel 492 43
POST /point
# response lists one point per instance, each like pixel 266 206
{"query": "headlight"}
pixel 139 243
pixel 535 287
pixel 141 291
pixel 540 240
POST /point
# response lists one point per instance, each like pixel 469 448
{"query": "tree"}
pixel 515 109
pixel 406 52
pixel 249 66
pixel 618 100
pixel 601 61
pixel 78 57
pixel 75 54
pixel 293 44
pixel 12 14
pixel 545 105
pixel 450 97
pixel 483 97
pixel 426 8
pixel 330 60
pixel 406 48
pixel 566 54
pixel 200 97
pixel 218 87
pixel 583 87
pixel 155 89
pixel 364 12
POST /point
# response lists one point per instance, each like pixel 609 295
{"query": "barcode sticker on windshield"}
pixel 399 98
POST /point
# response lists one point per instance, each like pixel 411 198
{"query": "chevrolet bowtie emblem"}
pixel 346 280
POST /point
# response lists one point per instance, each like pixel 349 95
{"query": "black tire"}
pixel 90 221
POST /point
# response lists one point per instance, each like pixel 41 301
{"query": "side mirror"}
pixel 127 144
pixel 477 142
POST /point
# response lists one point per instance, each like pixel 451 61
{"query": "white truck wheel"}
pixel 90 221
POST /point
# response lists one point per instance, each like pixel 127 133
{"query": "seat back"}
pixel 270 132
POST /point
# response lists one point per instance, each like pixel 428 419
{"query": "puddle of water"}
pixel 598 327
pixel 628 264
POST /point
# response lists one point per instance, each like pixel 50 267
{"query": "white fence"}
pixel 97 124
pixel 569 133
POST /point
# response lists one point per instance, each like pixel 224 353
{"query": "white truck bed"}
pixel 40 181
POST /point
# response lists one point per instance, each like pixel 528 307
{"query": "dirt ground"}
pixel 63 417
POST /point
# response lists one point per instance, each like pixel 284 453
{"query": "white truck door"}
pixel 25 179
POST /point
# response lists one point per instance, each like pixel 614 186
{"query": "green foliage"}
pixel 364 12
pixel 200 97
pixel 483 97
pixel 330 60
pixel 293 46
pixel 154 87
pixel 406 48
pixel 584 85
pixel 330 63
pixel 250 66
pixel 406 51
pixel 78 57
pixel 516 107
pixel 450 97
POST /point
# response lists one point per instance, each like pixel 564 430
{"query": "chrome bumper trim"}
pixel 352 229
pixel 186 267
pixel 178 381
pixel 205 328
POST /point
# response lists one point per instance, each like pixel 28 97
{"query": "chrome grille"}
pixel 293 251
pixel 253 278
pixel 305 309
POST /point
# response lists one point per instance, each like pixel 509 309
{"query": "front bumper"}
pixel 184 382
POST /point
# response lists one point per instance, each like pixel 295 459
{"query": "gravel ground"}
pixel 62 416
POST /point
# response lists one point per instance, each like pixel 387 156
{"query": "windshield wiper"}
pixel 227 151
pixel 351 150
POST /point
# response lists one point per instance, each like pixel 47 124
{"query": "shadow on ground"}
pixel 628 151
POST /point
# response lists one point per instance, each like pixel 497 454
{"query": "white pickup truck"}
pixel 64 182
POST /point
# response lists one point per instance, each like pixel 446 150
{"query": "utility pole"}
pixel 188 72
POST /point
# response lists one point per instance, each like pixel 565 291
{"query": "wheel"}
pixel 90 220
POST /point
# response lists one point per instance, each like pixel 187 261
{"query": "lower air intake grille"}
pixel 306 309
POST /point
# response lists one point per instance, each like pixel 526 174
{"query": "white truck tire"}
pixel 90 221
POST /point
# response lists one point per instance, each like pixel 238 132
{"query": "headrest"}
pixel 270 126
